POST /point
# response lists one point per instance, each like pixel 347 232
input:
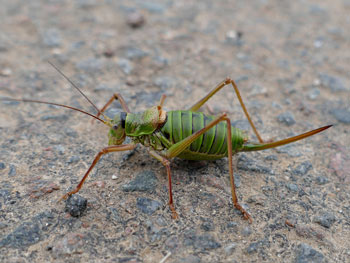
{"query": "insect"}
pixel 186 134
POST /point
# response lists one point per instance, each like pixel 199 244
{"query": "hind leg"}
pixel 224 83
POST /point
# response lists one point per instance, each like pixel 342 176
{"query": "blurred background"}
pixel 290 60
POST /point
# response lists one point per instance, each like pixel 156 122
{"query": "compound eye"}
pixel 115 127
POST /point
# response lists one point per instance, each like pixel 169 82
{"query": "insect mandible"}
pixel 186 134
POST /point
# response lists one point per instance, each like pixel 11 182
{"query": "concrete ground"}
pixel 291 61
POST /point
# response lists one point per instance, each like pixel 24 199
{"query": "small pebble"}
pixel 76 205
pixel 135 19
pixel 302 168
pixel 334 83
pixel 5 72
pixel 341 115
pixel 286 118
pixel 326 219
pixel 293 187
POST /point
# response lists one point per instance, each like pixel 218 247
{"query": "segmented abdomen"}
pixel 181 124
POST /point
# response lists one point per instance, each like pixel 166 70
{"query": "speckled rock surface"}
pixel 291 61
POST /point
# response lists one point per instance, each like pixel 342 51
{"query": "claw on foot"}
pixel 173 212
pixel 245 214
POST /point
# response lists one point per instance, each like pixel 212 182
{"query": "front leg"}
pixel 114 148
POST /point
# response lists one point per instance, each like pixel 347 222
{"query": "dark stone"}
pixel 2 166
pixel 286 118
pixel 30 232
pixel 147 206
pixel 341 115
pixel 302 168
pixel 76 205
pixel 143 182
pixel 306 254
pixel 326 219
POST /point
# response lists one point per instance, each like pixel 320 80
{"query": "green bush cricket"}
pixel 186 134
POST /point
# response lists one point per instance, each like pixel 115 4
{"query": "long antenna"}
pixel 76 87
pixel 55 104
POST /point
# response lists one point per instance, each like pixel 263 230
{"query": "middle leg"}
pixel 166 163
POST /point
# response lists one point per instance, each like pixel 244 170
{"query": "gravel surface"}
pixel 291 61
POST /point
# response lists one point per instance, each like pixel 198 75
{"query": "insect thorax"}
pixel 149 140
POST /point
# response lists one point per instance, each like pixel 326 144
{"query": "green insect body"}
pixel 211 145
pixel 187 134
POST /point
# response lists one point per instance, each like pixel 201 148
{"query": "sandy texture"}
pixel 291 60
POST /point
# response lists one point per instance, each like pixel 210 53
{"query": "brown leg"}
pixel 232 179
pixel 116 96
pixel 179 147
pixel 114 148
pixel 226 82
pixel 166 163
